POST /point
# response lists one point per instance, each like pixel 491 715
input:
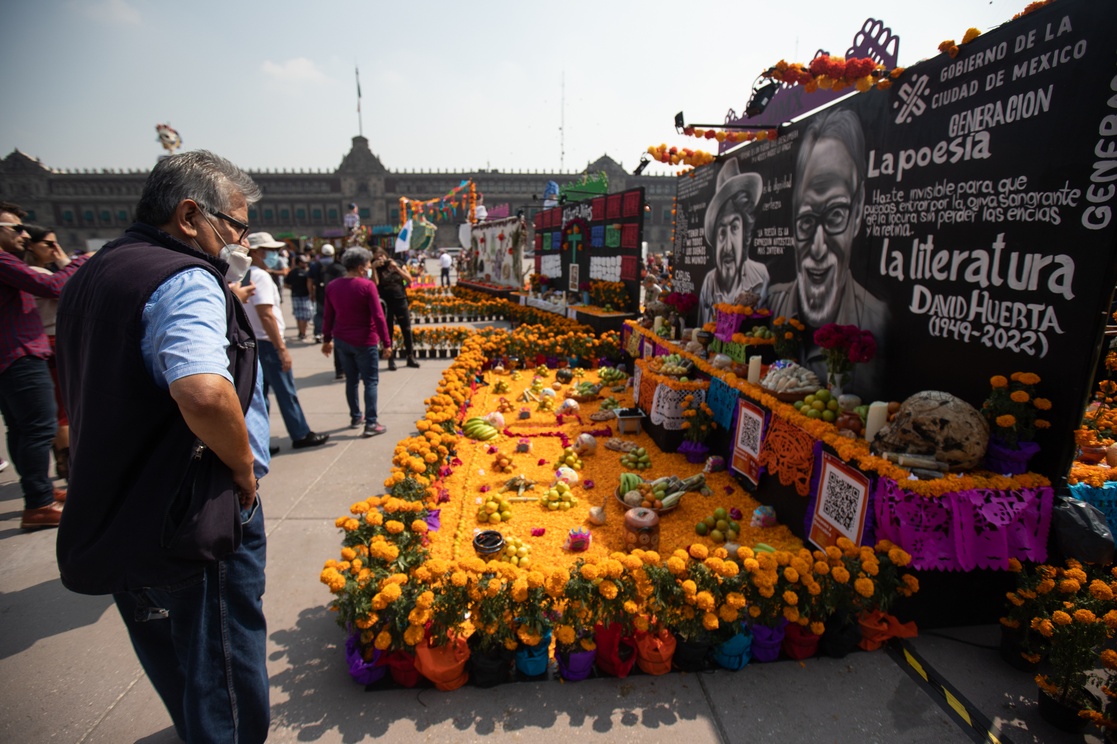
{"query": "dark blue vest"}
pixel 147 506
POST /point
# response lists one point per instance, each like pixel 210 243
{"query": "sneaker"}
pixel 3 464
pixel 356 421
pixel 302 337
pixel 273 449
pixel 41 518
pixel 310 440
pixel 317 338
pixel 372 430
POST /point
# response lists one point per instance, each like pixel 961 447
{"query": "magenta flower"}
pixel 456 462
pixel 486 489
pixel 729 489
pixel 492 449
pixel 538 531
pixel 735 514
pixel 443 496
pixel 542 461
pixel 587 484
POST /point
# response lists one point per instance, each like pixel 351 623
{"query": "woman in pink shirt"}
pixel 354 319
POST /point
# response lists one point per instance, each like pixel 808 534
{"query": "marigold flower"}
pixel 1061 618
pixel 998 381
pixel 1006 420
pixel 607 589
pixel 864 587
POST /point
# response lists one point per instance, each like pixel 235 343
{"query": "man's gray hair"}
pixel 200 175
pixel 354 257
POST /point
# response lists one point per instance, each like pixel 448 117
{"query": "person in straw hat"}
pixel 730 218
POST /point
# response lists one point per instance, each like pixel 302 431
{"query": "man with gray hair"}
pixel 169 436
pixel 828 198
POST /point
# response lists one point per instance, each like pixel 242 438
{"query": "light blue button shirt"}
pixel 184 334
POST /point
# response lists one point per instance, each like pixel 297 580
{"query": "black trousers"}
pixel 397 313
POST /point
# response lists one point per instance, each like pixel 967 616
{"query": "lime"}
pixel 823 395
pixel 818 405
pixel 710 522
pixel 814 413
pixel 722 525
pixel 808 400
pixel 832 404
pixel 717 536
pixel 720 513
pixel 829 416
pixel 798 404
pixel 701 528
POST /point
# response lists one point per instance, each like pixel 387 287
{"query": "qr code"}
pixel 840 501
pixel 748 433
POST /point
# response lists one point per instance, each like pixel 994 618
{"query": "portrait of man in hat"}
pixel 730 218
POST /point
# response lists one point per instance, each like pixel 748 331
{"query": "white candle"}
pixel 659 320
pixel 754 370
pixel 878 417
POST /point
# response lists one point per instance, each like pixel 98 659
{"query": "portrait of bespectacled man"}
pixel 828 199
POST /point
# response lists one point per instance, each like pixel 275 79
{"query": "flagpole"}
pixel 360 124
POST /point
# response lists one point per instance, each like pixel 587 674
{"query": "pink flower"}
pixel 538 531
pixel 486 489
pixel 729 489
pixel 456 462
pixel 443 496
pixel 587 484
pixel 735 514
pixel 542 461
pixel 492 449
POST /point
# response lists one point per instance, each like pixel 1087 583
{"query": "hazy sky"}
pixel 445 85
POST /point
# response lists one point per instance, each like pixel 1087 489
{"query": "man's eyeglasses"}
pixel 15 227
pixel 242 226
pixel 834 221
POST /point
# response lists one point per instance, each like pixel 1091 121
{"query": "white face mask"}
pixel 235 255
pixel 238 259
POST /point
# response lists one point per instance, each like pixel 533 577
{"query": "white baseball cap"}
pixel 327 250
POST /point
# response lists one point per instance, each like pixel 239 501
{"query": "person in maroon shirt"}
pixel 354 320
pixel 26 393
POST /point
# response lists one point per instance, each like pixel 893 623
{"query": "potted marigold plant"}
pixel 575 648
pixel 442 654
pixel 1012 410
pixel 493 641
pixel 1021 646
pixel 698 422
pixel 766 602
pixel 1078 627
pixel 788 334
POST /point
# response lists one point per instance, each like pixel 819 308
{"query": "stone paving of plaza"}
pixel 69 673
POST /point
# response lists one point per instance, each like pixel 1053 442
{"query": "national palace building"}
pixel 88 207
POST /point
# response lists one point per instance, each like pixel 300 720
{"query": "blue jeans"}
pixel 31 416
pixel 362 362
pixel 202 644
pixel 283 385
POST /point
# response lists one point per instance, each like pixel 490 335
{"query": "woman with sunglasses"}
pixel 43 253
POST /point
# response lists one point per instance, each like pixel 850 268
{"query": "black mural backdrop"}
pixel 965 215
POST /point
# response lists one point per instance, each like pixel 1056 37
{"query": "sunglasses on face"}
pixel 242 226
pixel 16 227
